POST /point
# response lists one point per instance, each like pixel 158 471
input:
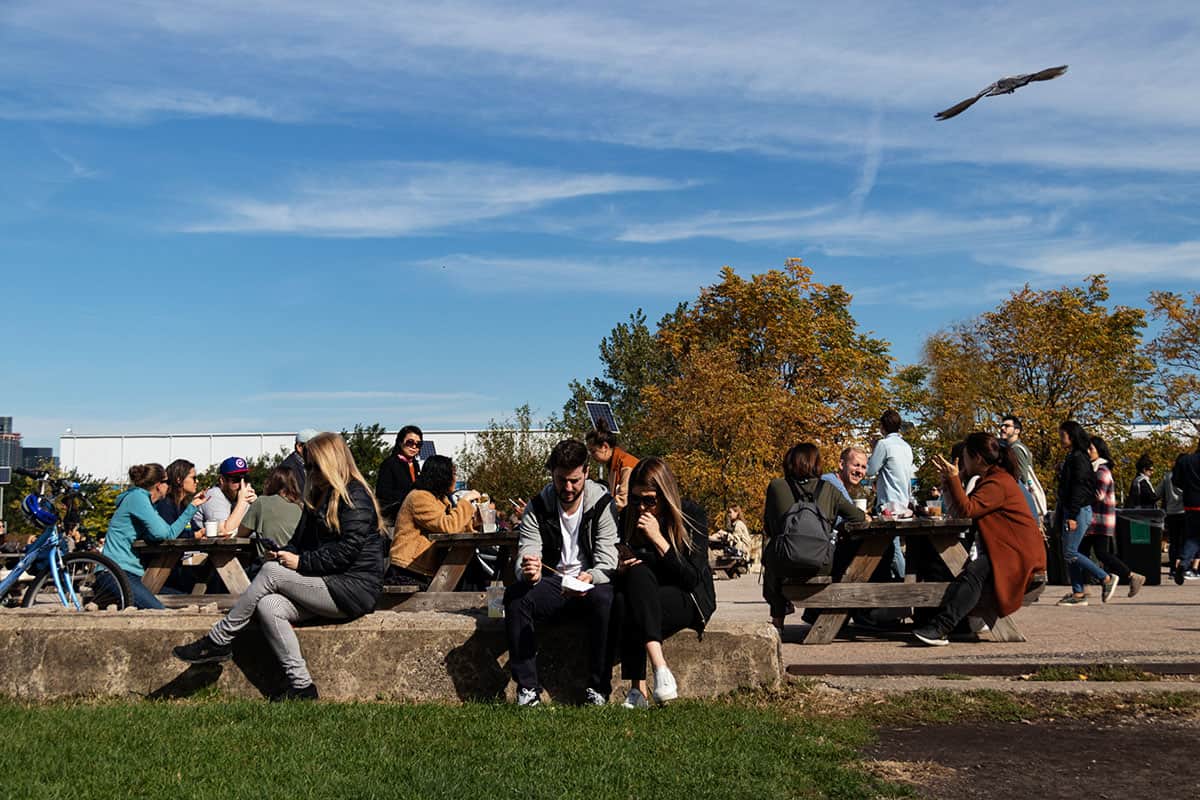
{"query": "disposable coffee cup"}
pixel 861 502
pixel 210 528
pixel 487 516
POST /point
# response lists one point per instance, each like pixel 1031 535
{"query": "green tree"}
pixel 261 468
pixel 94 518
pixel 633 358
pixel 508 459
pixel 369 448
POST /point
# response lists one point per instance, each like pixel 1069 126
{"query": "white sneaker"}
pixel 665 687
pixel 528 698
pixel 1109 588
pixel 635 699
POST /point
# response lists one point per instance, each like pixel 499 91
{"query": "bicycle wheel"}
pixel 82 570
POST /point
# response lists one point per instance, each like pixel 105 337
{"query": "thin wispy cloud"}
pixel 400 199
pixel 1120 260
pixel 493 275
pixel 371 395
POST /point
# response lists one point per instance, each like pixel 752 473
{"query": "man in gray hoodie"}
pixel 568 529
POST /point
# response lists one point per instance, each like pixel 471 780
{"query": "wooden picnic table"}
pixel 222 553
pixel 854 590
pixel 460 549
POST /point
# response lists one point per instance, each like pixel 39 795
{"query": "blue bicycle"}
pixel 72 579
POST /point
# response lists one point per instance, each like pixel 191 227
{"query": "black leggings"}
pixel 1102 546
pixel 650 612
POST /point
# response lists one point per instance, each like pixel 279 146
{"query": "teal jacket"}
pixel 135 518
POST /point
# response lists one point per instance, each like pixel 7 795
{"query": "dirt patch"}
pixel 1110 757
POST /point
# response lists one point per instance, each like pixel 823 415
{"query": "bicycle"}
pixel 60 576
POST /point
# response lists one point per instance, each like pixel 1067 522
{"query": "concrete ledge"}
pixel 423 656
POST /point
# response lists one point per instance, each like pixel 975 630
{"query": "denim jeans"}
pixel 142 597
pixel 1078 565
pixel 1189 551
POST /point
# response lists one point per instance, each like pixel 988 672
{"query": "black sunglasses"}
pixel 412 443
pixel 643 500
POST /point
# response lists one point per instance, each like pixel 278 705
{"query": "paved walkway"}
pixel 1161 626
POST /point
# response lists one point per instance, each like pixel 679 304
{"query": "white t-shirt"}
pixel 569 563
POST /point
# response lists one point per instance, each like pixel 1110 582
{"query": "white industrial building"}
pixel 109 457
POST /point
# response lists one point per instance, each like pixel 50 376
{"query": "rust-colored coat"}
pixel 619 467
pixel 1009 532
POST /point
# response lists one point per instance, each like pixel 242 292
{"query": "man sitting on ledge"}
pixel 568 529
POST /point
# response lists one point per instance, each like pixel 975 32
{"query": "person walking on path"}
pixel 1076 492
pixel 1009 549
pixel 1100 538
pixel 1172 504
pixel 332 569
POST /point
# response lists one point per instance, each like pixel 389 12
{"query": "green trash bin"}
pixel 1139 541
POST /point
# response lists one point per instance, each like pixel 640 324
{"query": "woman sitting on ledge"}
pixel 427 509
pixel 1009 544
pixel 332 568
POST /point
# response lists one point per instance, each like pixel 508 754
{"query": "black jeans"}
pixel 963 594
pixel 650 612
pixel 1102 547
pixel 1175 530
pixel 526 604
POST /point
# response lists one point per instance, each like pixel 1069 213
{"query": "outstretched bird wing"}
pixel 958 108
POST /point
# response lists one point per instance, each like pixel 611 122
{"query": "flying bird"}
pixel 1002 86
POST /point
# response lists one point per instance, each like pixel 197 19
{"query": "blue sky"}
pixel 222 216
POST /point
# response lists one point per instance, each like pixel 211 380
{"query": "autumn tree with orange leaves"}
pixel 759 365
pixel 1177 351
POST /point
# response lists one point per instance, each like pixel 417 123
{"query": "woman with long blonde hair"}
pixel 332 568
pixel 664 583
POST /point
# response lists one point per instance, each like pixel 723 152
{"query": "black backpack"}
pixel 805 543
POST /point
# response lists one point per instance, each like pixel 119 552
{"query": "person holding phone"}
pixel 664 583
pixel 332 569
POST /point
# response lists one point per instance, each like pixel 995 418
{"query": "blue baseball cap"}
pixel 234 465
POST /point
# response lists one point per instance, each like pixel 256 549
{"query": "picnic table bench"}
pixel 854 590
pixel 221 553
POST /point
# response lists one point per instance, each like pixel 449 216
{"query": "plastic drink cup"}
pixel 934 507
pixel 487 516
pixel 210 528
pixel 861 502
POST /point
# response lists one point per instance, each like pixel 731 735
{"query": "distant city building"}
pixel 5 424
pixel 34 457
pixel 10 449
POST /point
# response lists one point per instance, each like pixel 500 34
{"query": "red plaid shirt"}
pixel 1104 507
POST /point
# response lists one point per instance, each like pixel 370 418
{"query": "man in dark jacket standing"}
pixel 295 461
pixel 1186 478
pixel 568 534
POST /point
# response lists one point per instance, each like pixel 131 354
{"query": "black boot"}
pixel 203 651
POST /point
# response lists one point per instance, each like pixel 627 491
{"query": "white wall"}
pixel 110 457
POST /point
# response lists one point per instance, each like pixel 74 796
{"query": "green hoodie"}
pixel 135 518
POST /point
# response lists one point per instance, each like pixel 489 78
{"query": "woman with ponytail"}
pixel 136 518
pixel 1009 544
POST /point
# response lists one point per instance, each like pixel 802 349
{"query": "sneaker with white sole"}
pixel 1073 600
pixel 665 687
pixel 593 698
pixel 1136 582
pixel 635 699
pixel 1109 588
pixel 931 636
pixel 528 698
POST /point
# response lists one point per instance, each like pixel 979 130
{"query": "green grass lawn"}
pixel 215 749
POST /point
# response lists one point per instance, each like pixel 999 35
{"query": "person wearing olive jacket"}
pixel 664 583
pixel 332 568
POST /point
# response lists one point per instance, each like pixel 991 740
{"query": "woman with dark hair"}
pixel 1100 537
pixel 801 479
pixel 1141 491
pixel 664 583
pixel 332 569
pixel 181 488
pixel 1076 492
pixel 617 463
pixel 427 509
pixel 399 471
pixel 136 518
pixel 1009 547
pixel 276 512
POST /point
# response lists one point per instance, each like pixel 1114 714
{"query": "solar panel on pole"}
pixel 601 411
pixel 427 449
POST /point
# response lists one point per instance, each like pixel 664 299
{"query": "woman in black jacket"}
pixel 332 568
pixel 664 583
pixel 399 472
pixel 1076 491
